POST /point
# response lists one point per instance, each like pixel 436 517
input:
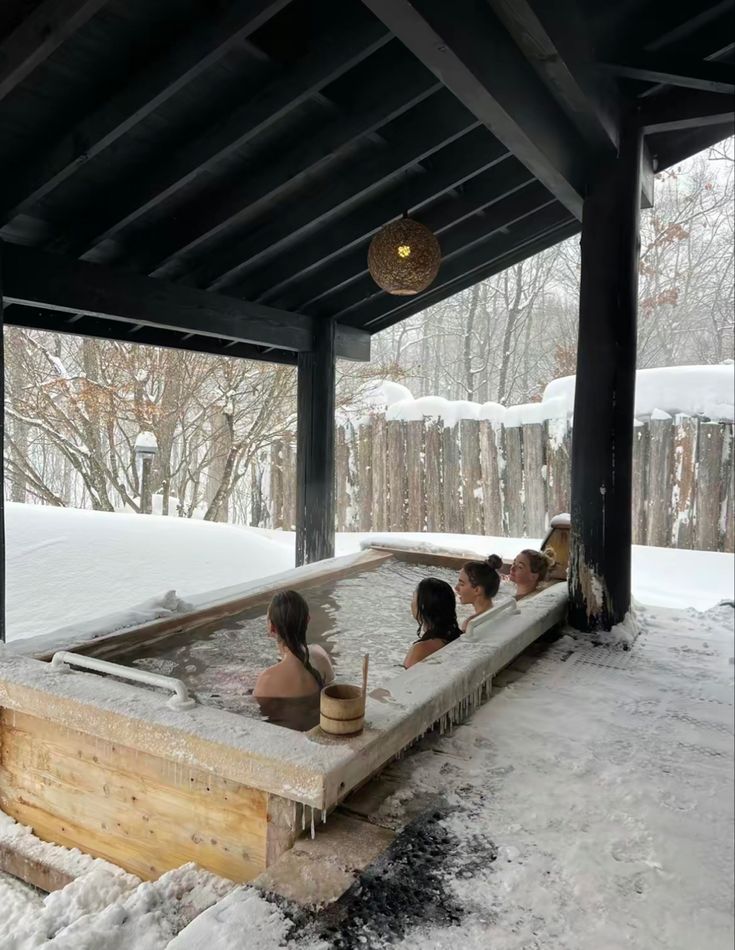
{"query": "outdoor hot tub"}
pixel 123 772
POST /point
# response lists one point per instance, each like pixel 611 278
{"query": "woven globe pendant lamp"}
pixel 404 257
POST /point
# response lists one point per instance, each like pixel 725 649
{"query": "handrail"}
pixel 180 700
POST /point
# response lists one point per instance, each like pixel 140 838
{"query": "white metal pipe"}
pixel 180 700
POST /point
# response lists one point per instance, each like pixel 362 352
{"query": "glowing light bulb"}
pixel 404 250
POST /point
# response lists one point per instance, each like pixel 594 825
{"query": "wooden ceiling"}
pixel 225 164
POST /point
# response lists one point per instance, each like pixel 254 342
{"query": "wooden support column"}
pixel 602 440
pixel 315 448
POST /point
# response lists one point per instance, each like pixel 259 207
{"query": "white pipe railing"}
pixel 180 700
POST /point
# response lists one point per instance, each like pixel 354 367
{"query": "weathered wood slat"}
pixel 641 445
pixel 513 482
pixel 365 476
pixel 558 465
pixel 534 479
pixel 434 514
pixel 342 476
pixel 416 516
pixel 379 495
pixel 492 498
pixel 451 482
pixel 469 431
pixel 709 474
pixel 660 481
pixel 397 481
pixel 683 481
pixel 728 483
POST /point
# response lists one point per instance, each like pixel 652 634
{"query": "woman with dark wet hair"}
pixel 301 670
pixel 434 607
pixel 477 584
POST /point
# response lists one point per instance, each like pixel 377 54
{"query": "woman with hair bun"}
pixel 530 568
pixel 478 583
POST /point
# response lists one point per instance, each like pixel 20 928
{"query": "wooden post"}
pixel 602 444
pixel 709 474
pixel 641 442
pixel 379 501
pixel 415 468
pixel 434 521
pixel 660 481
pixel 728 486
pixel 558 466
pixel 492 497
pixel 684 481
pixel 315 448
pixel 146 481
pixel 513 481
pixel 396 468
pixel 365 476
pixel 534 479
pixel 342 478
pixel 451 480
pixel 2 460
pixel 471 475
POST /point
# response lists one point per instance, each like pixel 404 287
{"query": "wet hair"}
pixel 289 614
pixel 436 610
pixel 485 574
pixel 540 562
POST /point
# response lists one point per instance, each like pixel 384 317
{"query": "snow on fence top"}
pixel 687 390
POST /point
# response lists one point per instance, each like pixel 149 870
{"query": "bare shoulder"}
pixel 266 683
pixel 419 651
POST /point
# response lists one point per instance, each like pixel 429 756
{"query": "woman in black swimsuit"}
pixel 434 607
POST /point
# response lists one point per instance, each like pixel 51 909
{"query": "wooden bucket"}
pixel 342 709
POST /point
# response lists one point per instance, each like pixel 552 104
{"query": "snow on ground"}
pixel 78 566
pixel 588 804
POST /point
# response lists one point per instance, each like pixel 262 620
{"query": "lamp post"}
pixel 146 449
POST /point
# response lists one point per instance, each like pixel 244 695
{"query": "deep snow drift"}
pixel 66 566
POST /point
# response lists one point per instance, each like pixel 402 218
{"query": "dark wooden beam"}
pixel 684 22
pixel 430 127
pixel 38 36
pixel 494 186
pixel 563 58
pixel 450 171
pixel 33 178
pixel 602 447
pixel 464 44
pixel 342 48
pixel 393 94
pixel 49 281
pixel 670 149
pixel 457 240
pixel 2 456
pixel 315 448
pixel 54 321
pixel 504 254
pixel 670 112
pixel 372 311
pixel 675 71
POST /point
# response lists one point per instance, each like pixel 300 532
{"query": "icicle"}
pixel 324 816
pixel 312 824
pixel 303 817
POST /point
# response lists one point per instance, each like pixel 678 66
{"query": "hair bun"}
pixel 550 554
pixel 495 562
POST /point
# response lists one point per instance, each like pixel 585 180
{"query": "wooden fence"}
pixel 480 478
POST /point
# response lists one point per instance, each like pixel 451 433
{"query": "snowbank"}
pixel 66 566
pixel 690 390
pixel 70 568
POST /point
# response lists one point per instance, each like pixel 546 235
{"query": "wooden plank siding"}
pixel 146 813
